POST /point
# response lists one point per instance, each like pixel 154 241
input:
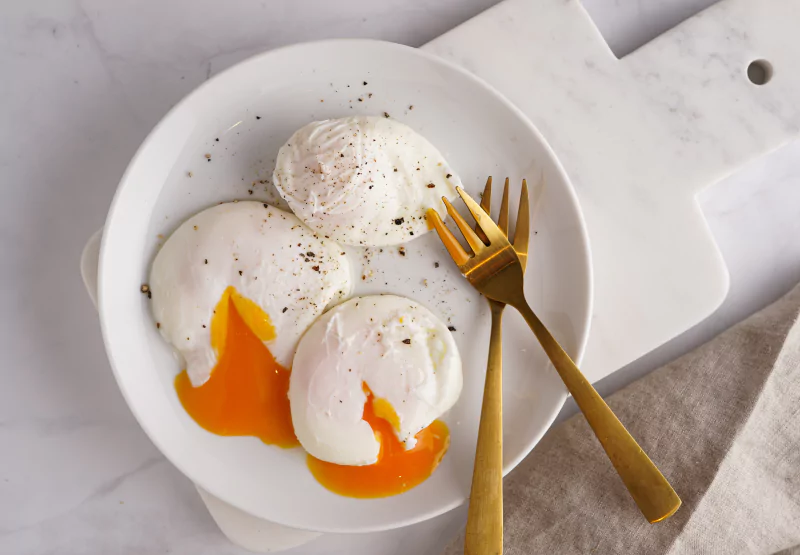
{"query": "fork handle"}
pixel 484 534
pixel 648 487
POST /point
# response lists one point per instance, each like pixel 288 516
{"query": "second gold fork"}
pixel 495 270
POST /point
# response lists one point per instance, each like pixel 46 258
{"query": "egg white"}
pixel 363 181
pixel 267 254
pixel 400 349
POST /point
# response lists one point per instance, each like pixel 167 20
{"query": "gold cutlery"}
pixel 495 269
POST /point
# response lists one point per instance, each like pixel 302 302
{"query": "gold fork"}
pixel 485 513
pixel 496 271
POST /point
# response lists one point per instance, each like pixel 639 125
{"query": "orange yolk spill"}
pixel 247 393
pixel 397 470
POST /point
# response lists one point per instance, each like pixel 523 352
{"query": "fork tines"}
pixel 487 233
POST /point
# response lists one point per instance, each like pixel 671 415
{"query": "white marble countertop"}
pixel 85 81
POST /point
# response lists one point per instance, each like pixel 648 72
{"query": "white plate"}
pixel 252 109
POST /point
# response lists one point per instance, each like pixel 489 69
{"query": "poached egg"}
pixel 363 181
pixel 262 262
pixel 379 356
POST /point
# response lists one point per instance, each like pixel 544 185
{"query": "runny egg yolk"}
pixel 246 394
pixel 397 469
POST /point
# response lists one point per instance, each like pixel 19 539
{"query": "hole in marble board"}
pixel 759 72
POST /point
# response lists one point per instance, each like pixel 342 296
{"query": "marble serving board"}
pixel 640 137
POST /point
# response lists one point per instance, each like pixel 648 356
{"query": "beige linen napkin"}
pixel 722 423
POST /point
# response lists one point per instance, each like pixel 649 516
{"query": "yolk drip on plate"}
pixel 246 395
pixel 247 391
pixel 397 469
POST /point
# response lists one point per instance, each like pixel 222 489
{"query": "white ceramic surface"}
pixel 640 137
pixel 77 474
pixel 219 144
